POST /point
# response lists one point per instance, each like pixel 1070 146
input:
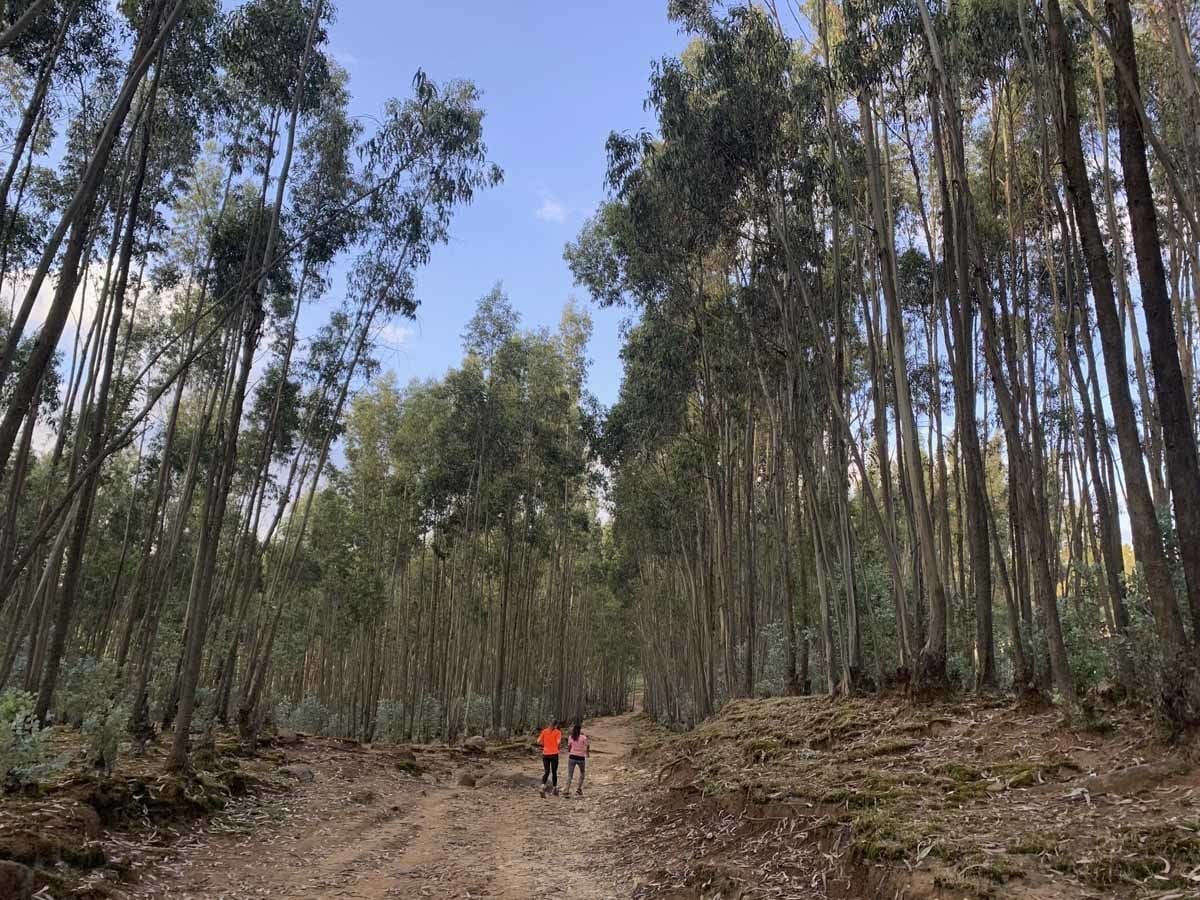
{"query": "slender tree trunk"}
pixel 1171 391
pixel 1179 696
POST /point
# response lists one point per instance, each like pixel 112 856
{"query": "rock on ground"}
pixel 301 773
pixel 16 881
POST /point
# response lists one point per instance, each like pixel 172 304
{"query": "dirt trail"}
pixel 361 829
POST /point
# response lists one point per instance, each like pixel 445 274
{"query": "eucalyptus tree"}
pixel 153 27
pixel 131 207
pixel 1147 535
pixel 832 224
pixel 210 178
pixel 426 159
pixel 458 563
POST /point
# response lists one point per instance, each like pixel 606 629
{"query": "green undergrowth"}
pixel 978 793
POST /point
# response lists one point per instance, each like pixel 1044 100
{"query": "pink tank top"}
pixel 577 746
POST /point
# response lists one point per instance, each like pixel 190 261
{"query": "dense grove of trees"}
pixel 464 527
pixel 910 379
pixel 198 248
pixel 915 351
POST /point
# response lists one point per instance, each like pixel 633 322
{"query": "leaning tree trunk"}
pixel 1171 391
pixel 150 42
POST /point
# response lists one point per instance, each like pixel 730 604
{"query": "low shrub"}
pixel 309 715
pixel 26 756
pixel 102 731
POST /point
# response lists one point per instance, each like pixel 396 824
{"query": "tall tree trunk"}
pixel 930 677
pixel 1182 702
pixel 1171 391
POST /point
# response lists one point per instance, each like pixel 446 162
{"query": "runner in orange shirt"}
pixel 549 740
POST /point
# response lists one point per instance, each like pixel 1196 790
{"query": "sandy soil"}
pixel 362 829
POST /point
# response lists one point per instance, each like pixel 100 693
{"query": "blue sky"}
pixel 556 78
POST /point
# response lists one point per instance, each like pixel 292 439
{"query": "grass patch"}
pixel 1162 852
pixel 881 835
pixel 760 750
pixel 889 747
pixel 1032 844
pixel 959 772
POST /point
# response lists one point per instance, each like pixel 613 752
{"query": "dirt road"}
pixel 362 829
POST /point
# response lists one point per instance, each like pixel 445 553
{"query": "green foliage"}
pixel 103 731
pixel 773 675
pixel 25 749
pixel 430 719
pixel 426 159
pixel 310 716
pixel 1143 647
pixel 960 670
pixel 391 721
pixel 1091 655
pixel 206 708
pixel 86 685
pixel 477 714
pixel 262 48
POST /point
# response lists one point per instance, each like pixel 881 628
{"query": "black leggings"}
pixel 550 766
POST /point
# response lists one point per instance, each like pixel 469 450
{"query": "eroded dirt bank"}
pixel 980 798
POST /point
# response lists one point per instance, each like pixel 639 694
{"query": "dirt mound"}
pixel 876 797
pixel 80 833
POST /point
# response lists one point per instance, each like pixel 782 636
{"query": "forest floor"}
pixel 786 798
pixel 978 797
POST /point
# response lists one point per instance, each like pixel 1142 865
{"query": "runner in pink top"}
pixel 577 751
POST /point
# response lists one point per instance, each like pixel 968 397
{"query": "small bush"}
pixel 25 752
pixel 1089 652
pixel 205 709
pixel 309 715
pixel 960 671
pixel 772 672
pixel 431 718
pixel 103 731
pixel 85 685
pixel 477 714
pixel 281 711
pixel 390 720
pixel 1144 648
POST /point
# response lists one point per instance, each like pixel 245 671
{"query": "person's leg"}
pixel 554 772
pixel 582 772
pixel 545 769
pixel 571 763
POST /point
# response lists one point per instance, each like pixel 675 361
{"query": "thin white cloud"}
pixel 45 435
pixel 395 336
pixel 552 209
pixel 344 58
